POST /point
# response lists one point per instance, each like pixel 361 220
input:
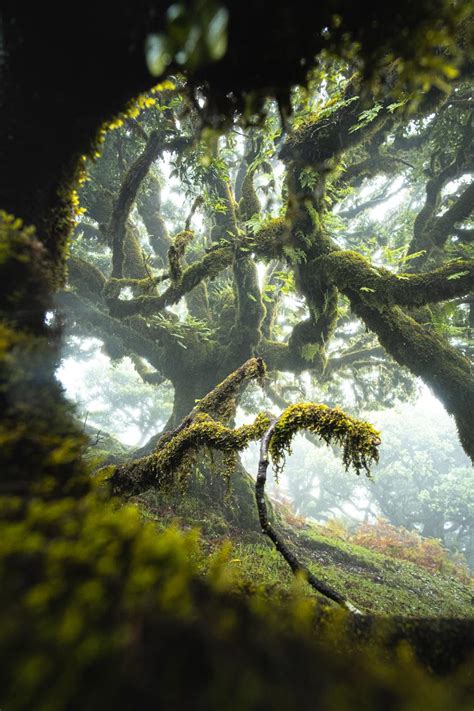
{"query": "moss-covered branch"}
pixel 149 206
pixel 176 253
pixel 148 375
pixel 86 278
pixel 216 409
pixel 462 208
pixel 362 357
pixel 429 357
pixel 318 142
pixel 268 242
pixel 380 287
pixel 272 286
pixel 430 230
pixel 249 204
pixel 217 259
pixel 113 287
pixel 271 238
pixel 222 400
pixel 176 455
pixel 116 229
pixel 359 441
pixel 246 332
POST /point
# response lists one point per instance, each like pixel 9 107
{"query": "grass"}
pixel 377 584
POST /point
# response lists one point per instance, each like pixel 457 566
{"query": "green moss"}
pixel 26 276
pixel 249 204
pixel 270 238
pixel 381 288
pixel 88 590
pixel 220 403
pixel 134 265
pixel 359 440
pixel 176 456
pixel 40 447
pixel 383 585
pixel 246 334
pixel 428 356
pixel 176 253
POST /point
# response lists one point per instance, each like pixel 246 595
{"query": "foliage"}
pixel 264 271
pixel 396 542
pixel 359 440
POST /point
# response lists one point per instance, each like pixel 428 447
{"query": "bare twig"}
pixel 280 545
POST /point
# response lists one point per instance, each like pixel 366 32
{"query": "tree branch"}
pixel 427 356
pixel 330 425
pixel 128 192
pixel 380 287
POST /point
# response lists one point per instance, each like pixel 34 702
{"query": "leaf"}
pixel 367 288
pixel 397 105
pixel 366 117
pixel 457 275
pixel 414 255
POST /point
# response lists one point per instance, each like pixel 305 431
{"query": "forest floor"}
pixel 377 584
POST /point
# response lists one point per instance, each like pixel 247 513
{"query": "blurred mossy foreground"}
pixel 100 608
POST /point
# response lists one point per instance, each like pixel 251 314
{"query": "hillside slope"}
pixel 377 584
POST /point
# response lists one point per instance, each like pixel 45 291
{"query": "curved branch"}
pixel 93 321
pixel 384 196
pixel 204 426
pixel 427 356
pixel 380 287
pixel 462 208
pixel 360 443
pixel 430 230
pixel 86 278
pixel 268 242
pixel 359 357
pixel 464 235
pixel 217 259
pixel 159 469
pixel 268 530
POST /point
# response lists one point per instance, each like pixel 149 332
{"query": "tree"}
pixel 181 293
pixel 60 81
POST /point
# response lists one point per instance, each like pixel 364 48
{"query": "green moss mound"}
pixel 98 609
